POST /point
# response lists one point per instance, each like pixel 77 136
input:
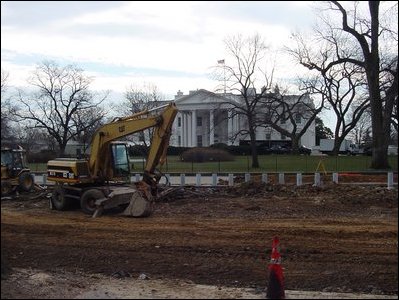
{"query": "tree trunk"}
pixel 254 151
pixel 337 145
pixel 380 137
pixel 380 141
pixel 295 144
pixel 61 151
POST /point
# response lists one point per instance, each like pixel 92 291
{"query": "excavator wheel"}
pixel 26 182
pixel 6 188
pixel 88 199
pixel 60 202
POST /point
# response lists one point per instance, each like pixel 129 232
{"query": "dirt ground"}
pixel 206 243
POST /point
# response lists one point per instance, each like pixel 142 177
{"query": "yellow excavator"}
pixel 103 181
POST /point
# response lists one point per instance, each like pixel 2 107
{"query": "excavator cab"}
pixel 120 158
pixel 15 174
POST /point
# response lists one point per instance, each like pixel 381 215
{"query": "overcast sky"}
pixel 172 45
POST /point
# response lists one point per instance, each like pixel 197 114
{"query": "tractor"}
pixel 15 174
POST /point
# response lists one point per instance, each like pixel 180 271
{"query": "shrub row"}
pixel 141 150
pixel 201 154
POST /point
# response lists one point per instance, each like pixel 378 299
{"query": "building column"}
pixel 184 129
pixel 189 130
pixel 181 130
pixel 229 126
pixel 236 127
pixel 194 128
pixel 211 128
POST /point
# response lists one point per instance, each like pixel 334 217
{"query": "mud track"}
pixel 339 238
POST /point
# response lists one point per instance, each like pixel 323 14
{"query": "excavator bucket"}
pixel 139 200
pixel 138 206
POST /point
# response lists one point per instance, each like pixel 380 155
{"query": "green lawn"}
pixel 268 163
pixel 276 163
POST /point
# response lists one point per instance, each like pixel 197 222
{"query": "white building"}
pixel 205 118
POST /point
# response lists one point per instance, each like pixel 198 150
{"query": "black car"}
pixel 304 150
pixel 278 149
pixel 301 150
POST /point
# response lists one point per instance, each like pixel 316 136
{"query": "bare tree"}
pixel 365 42
pixel 240 77
pixel 4 79
pixel 263 109
pixel 30 138
pixel 342 87
pixel 86 124
pixel 63 95
pixel 140 98
pixel 290 115
pixel 6 130
pixel 361 130
pixel 390 89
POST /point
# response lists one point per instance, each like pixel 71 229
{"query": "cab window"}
pixel 120 158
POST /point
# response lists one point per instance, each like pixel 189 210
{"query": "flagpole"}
pixel 224 74
pixel 224 77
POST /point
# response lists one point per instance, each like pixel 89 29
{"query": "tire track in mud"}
pixel 354 253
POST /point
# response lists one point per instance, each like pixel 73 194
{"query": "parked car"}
pixel 304 150
pixel 283 149
pixel 278 149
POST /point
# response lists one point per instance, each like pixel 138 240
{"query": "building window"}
pixel 283 137
pixel 179 140
pixel 282 121
pixel 298 118
pixel 199 121
pixel 179 122
pixel 268 136
pixel 199 140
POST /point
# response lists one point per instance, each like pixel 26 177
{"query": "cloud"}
pixel 41 14
pixel 18 74
pixel 166 85
pixel 164 41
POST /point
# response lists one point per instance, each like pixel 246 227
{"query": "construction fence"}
pixel 389 179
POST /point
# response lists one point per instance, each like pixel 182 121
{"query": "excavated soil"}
pixel 333 238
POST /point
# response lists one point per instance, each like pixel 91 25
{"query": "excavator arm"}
pixel 159 145
pixel 99 162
